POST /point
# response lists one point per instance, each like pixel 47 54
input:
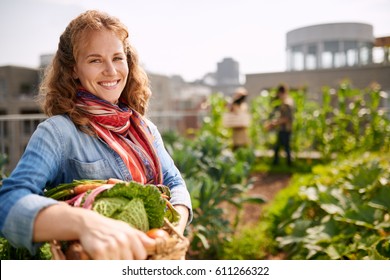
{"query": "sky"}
pixel 185 37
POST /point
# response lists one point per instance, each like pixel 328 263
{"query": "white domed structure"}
pixel 332 45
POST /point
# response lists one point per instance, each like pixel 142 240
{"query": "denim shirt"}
pixel 57 153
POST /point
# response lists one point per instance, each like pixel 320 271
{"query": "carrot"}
pixel 68 190
pixel 114 181
pixel 85 187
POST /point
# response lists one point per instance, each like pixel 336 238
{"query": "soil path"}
pixel 266 185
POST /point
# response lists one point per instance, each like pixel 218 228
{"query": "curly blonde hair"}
pixel 58 89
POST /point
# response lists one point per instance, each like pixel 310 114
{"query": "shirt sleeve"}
pixel 22 192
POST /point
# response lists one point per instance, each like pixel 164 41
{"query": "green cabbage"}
pixel 151 202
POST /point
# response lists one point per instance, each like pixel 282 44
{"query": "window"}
pixel 3 88
pixel 364 55
pixel 378 55
pixel 327 59
pixel 329 54
pixel 352 57
pixel 297 58
pixel 311 57
pixel 351 53
pixel 298 61
pixel 339 59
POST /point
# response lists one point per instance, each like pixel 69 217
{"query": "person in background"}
pixel 96 97
pixel 239 108
pixel 282 122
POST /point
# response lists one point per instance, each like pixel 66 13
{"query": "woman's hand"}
pixel 101 237
pixel 109 239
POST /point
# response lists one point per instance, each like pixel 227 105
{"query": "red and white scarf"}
pixel 126 132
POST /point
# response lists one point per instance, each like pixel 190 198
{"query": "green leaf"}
pixel 332 252
pixel 381 199
pixel 382 248
pixel 203 239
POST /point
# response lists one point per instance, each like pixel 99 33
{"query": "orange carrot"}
pixel 85 187
pixel 114 181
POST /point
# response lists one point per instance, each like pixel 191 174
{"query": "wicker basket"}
pixel 173 248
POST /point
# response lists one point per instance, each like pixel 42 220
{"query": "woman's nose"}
pixel 109 69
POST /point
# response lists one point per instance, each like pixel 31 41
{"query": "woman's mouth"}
pixel 109 84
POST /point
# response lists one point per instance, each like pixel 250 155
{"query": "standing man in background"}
pixel 282 120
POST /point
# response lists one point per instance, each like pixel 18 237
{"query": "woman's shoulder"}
pixel 59 120
pixel 149 123
pixel 151 126
pixel 60 123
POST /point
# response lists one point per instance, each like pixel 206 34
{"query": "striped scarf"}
pixel 126 132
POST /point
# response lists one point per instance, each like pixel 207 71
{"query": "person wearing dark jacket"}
pixel 282 121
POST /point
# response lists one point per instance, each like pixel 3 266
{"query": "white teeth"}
pixel 110 84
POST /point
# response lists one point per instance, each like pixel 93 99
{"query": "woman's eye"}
pixel 118 58
pixel 94 61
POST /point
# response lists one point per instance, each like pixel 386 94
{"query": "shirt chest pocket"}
pixel 99 169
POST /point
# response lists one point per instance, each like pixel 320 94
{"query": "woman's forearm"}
pixel 183 210
pixel 59 221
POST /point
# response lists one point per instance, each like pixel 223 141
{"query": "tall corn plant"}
pixel 377 132
pixel 305 122
pixel 213 122
pixel 354 122
pixel 261 109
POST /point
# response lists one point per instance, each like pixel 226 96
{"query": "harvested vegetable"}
pixel 69 190
pixel 134 213
pixel 141 206
pixel 157 233
pixel 109 206
pixel 153 203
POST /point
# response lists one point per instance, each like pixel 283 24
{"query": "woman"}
pixel 96 96
pixel 239 108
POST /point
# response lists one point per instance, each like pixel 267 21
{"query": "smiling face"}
pixel 101 65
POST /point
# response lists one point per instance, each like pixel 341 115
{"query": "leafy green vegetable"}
pixel 134 213
pixel 153 203
pixel 110 205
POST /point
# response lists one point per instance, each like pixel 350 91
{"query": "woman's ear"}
pixel 74 74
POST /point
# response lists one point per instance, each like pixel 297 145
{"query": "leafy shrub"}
pixel 342 211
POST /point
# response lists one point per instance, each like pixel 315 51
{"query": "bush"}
pixel 342 211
